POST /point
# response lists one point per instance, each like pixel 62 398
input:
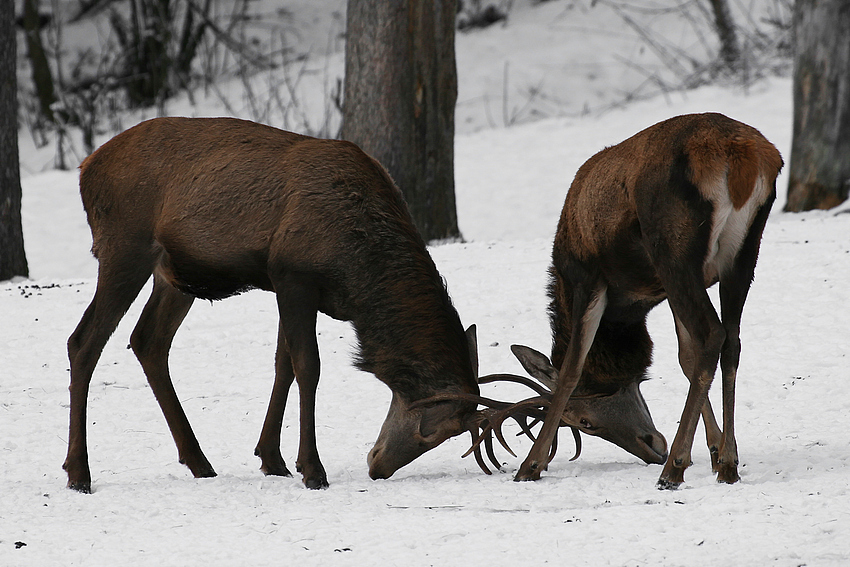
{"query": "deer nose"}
pixel 657 448
pixel 376 469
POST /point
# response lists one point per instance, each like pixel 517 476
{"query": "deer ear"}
pixel 472 342
pixel 537 365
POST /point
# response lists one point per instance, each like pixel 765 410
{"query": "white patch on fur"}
pixel 729 227
pixel 591 319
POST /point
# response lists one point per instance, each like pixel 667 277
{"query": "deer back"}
pixel 228 203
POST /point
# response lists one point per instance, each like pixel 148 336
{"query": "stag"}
pixel 214 207
pixel 665 214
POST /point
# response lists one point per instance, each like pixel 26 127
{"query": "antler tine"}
pixel 577 437
pixel 539 388
pixel 554 448
pixel 485 436
pixel 460 396
pixel 497 431
pixel 493 420
pixel 488 445
pixel 476 448
pixel 526 427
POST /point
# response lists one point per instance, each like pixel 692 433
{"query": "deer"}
pixel 213 207
pixel 666 214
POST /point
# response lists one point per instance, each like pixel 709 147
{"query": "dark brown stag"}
pixel 665 214
pixel 214 207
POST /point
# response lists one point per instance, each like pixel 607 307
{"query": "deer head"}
pixel 621 417
pixel 412 428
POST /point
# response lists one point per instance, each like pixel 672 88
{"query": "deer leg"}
pixel 151 340
pixel 727 456
pixel 713 434
pixel 691 305
pixel 298 305
pixel 686 361
pixel 117 286
pixel 588 306
pixel 734 287
pixel 268 447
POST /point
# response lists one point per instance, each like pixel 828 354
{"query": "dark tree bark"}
pixel 400 94
pixel 42 77
pixel 819 171
pixel 13 261
pixel 730 51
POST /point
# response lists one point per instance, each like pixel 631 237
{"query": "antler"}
pixel 534 407
pixel 488 422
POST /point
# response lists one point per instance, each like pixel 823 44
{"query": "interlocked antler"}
pixel 534 408
pixel 488 422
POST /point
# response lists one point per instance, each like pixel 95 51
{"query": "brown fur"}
pixel 669 211
pixel 214 207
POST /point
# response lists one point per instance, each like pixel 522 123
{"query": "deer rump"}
pixel 213 207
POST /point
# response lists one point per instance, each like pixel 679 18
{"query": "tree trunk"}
pixel 730 51
pixel 819 172
pixel 13 261
pixel 400 94
pixel 42 78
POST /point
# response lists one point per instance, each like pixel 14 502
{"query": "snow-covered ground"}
pixel 792 506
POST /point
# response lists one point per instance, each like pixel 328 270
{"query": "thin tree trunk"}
pixel 400 94
pixel 819 172
pixel 13 260
pixel 42 78
pixel 730 51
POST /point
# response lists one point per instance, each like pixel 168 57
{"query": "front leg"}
pixel 298 305
pixel 588 307
pixel 713 435
pixel 305 355
pixel 540 454
pixel 268 447
pixel 687 361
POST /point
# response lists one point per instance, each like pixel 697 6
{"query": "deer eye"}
pixel 585 424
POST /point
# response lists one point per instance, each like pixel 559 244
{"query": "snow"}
pixel 791 506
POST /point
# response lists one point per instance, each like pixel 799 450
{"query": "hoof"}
pixel 204 473
pixel 728 475
pixel 272 465
pixel 198 465
pixel 530 471
pixel 275 471
pixel 664 484
pixel 316 483
pixel 313 474
pixel 80 486
pixel 79 477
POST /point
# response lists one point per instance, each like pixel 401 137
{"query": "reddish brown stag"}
pixel 214 207
pixel 665 214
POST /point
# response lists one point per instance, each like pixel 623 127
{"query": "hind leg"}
pixel 734 288
pixel 151 341
pixel 118 284
pixel 692 307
